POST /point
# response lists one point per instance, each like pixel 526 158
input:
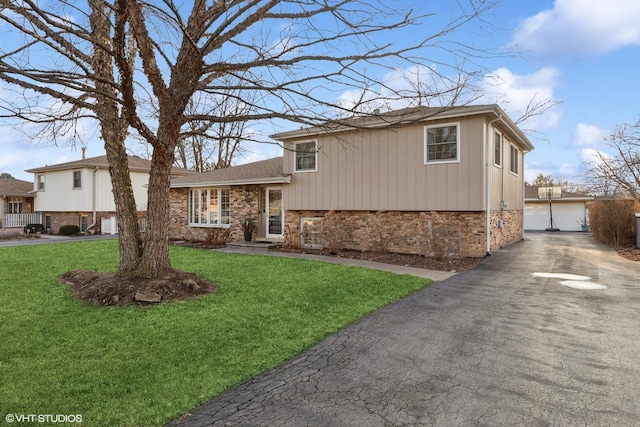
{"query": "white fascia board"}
pixel 277 180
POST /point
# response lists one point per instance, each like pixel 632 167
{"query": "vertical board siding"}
pixel 376 169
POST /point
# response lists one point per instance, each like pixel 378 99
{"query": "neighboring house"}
pixel 16 202
pixel 80 193
pixel 403 181
pixel 569 211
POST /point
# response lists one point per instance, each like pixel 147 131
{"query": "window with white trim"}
pixel 40 182
pixel 77 179
pixel 306 156
pixel 515 154
pixel 442 143
pixel 209 206
pixel 497 149
pixel 15 205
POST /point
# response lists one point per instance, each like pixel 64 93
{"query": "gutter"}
pixel 256 181
pixel 488 164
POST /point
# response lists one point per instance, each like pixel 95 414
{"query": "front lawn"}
pixel 124 366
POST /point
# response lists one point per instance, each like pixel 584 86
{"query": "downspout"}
pixel 488 189
pixel 93 201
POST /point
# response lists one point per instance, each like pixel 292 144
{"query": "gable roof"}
pixel 12 187
pixel 531 195
pixel 405 116
pixel 268 171
pixel 137 164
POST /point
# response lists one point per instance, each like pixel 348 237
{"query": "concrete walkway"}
pixel 515 341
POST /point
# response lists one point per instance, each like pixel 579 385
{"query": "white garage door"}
pixel 566 215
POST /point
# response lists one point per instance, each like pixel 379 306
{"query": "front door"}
pixel 274 215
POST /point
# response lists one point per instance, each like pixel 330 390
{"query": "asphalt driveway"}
pixel 545 332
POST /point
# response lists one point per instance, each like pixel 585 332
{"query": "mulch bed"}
pixel 452 264
pixel 630 253
pixel 120 289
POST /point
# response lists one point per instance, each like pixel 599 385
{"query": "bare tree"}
pixel 79 83
pixel 207 145
pixel 618 174
pixel 282 55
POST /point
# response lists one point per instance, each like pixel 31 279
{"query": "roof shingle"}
pixel 12 187
pixel 270 170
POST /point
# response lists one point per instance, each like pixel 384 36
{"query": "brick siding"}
pixel 244 202
pixel 424 233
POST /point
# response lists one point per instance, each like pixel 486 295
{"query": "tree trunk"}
pixel 130 242
pixel 155 254
pixel 114 131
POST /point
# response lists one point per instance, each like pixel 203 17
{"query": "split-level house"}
pixel 406 181
pixel 80 192
pixel 16 202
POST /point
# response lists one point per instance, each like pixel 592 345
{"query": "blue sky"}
pixel 583 53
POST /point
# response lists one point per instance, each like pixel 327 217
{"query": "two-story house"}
pixel 399 181
pixel 80 192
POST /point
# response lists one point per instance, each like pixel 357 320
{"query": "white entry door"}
pixel 274 214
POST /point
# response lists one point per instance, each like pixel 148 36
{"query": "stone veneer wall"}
pixel 511 230
pixel 244 202
pixel 424 233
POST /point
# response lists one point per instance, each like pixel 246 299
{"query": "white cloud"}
pixel 580 28
pixel 588 135
pixel 517 93
pixel 591 155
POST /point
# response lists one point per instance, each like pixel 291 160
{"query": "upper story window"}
pixel 77 179
pixel 209 206
pixel 497 149
pixel 306 156
pixel 442 143
pixel 515 155
pixel 40 182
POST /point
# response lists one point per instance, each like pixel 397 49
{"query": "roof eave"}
pixel 491 109
pixel 563 199
pixel 253 181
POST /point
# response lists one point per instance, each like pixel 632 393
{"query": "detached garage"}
pixel 568 210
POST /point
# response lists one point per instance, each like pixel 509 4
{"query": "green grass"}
pixel 126 366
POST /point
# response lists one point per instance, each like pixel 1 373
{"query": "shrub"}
pixel 33 228
pixel 613 222
pixel 442 235
pixel 68 230
pixel 379 232
pixel 333 234
pixel 217 237
pixel 292 237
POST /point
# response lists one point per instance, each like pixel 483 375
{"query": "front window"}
pixel 306 156
pixel 209 206
pixel 15 205
pixel 40 182
pixel 77 179
pixel 514 160
pixel 442 143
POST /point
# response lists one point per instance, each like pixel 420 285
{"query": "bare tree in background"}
pixel 618 174
pixel 566 185
pixel 207 145
pixel 284 55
